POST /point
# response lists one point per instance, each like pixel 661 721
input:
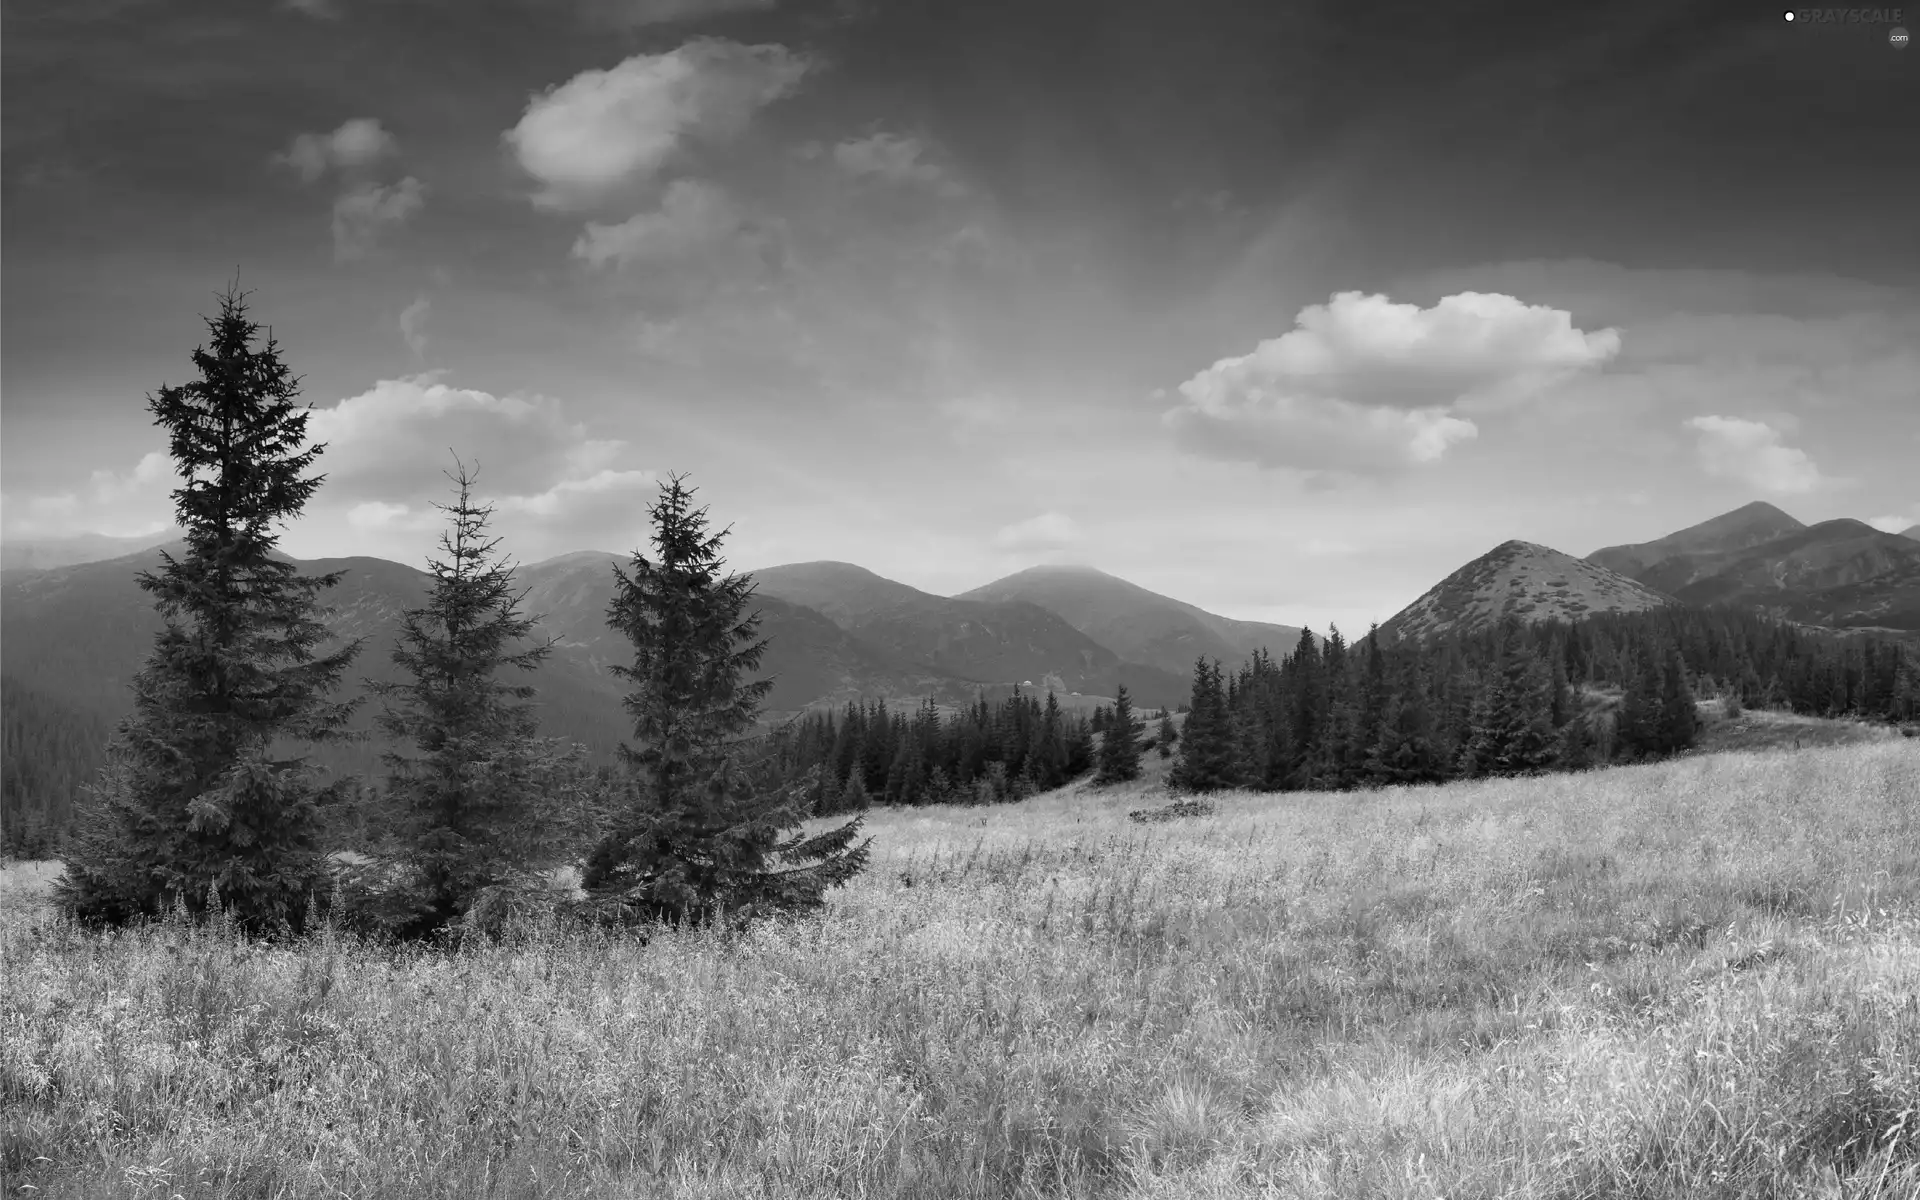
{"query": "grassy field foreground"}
pixel 1693 979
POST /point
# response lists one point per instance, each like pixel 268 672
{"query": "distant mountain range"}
pixel 75 634
pixel 1842 574
pixel 39 554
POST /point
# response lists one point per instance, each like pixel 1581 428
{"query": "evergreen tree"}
pixel 704 833
pixel 1120 748
pixel 1168 734
pixel 1208 759
pixel 1679 721
pixel 200 797
pixel 854 796
pixel 481 808
pixel 1637 731
pixel 1513 726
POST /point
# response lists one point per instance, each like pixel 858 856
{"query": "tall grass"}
pixel 1692 979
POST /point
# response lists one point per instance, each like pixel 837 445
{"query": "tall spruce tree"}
pixel 1208 758
pixel 704 834
pixel 202 796
pixel 1513 723
pixel 1679 721
pixel 1120 744
pixel 1168 734
pixel 486 803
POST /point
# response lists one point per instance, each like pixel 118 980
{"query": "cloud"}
pixel 1309 433
pixel 413 319
pixel 115 503
pixel 1046 532
pixel 639 14
pixel 1897 523
pixel 358 143
pixel 1476 349
pixel 1750 452
pixel 602 129
pixel 1365 385
pixel 894 159
pixel 692 217
pixel 362 212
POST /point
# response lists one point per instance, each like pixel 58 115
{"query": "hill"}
pixel 842 592
pixel 812 660
pixel 965 637
pixel 1138 625
pixel 1911 531
pixel 1672 562
pixel 43 554
pixel 1536 583
pixel 78 634
pixel 1842 573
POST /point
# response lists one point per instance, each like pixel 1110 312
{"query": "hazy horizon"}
pixel 1283 311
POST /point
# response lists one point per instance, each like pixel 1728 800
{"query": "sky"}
pixel 1283 309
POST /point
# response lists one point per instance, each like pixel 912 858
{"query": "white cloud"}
pixel 413 320
pixel 892 158
pixel 1897 523
pixel 361 213
pixel 1362 384
pixel 603 128
pixel 1309 433
pixel 1750 452
pixel 360 142
pixel 116 503
pixel 692 216
pixel 1475 349
pixel 1048 531
pixel 567 495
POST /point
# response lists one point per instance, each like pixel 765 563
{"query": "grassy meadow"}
pixel 1691 979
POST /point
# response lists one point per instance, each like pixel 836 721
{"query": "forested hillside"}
pixel 1333 715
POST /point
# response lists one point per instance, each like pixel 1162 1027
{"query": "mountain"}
pixel 77 634
pixel 984 641
pixel 1911 531
pixel 1536 583
pixel 842 592
pixel 1138 625
pixel 41 554
pixel 1842 573
pixel 811 660
pixel 1678 559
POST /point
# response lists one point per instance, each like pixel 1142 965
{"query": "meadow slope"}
pixel 1690 979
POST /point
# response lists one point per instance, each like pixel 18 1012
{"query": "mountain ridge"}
pixel 1524 579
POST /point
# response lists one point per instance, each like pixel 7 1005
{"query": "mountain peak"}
pixel 1522 579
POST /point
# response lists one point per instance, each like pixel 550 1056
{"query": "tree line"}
pixel 1517 698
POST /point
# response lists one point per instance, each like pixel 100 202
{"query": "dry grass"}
pixel 1693 979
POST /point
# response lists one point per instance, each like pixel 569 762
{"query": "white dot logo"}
pixel 1789 16
pixel 1897 39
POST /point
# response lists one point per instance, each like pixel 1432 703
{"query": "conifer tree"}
pixel 854 796
pixel 1637 732
pixel 1513 728
pixel 202 797
pixel 704 833
pixel 1120 747
pixel 1679 722
pixel 483 806
pixel 1168 734
pixel 1208 758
